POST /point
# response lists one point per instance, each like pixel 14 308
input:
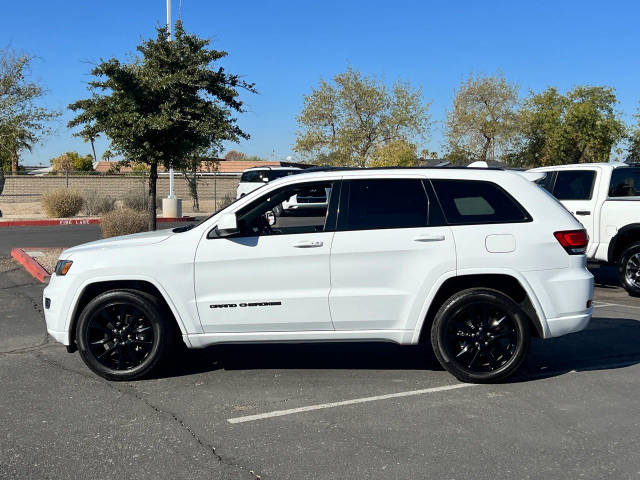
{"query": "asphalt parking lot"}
pixel 320 411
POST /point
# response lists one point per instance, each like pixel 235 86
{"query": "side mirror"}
pixel 227 225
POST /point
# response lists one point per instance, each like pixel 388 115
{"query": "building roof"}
pixel 207 166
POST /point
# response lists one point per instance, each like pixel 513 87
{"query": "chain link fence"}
pixel 214 189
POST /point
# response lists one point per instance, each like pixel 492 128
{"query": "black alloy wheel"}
pixel 122 335
pixel 629 269
pixel 480 335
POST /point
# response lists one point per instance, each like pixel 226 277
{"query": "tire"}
pixel 128 349
pixel 629 269
pixel 480 335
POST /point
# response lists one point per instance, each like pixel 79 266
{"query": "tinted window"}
pixel 574 184
pixel 625 182
pixel 266 215
pixel 273 174
pixel 252 176
pixel 469 201
pixel 385 203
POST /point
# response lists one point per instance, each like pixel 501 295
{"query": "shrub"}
pixel 227 200
pixel 61 203
pixel 135 200
pixel 123 221
pixel 97 204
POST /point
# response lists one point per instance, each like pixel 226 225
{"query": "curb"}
pixel 78 221
pixel 30 265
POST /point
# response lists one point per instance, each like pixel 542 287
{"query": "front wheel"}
pixel 122 334
pixel 629 269
pixel 480 335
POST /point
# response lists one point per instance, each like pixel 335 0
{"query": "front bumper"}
pixel 56 315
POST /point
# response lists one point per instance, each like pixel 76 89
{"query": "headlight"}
pixel 62 267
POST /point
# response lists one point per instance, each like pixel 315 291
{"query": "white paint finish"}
pixel 606 215
pixel 500 243
pixel 379 278
pixel 343 403
pixel 232 271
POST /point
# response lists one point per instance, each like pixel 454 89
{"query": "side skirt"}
pixel 403 337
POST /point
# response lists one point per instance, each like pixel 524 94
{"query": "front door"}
pixel 390 248
pixel 272 276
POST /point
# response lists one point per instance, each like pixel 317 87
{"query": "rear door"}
pixel 390 247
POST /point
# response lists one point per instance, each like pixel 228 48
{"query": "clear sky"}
pixel 286 47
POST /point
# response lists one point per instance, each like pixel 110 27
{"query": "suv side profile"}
pixel 476 262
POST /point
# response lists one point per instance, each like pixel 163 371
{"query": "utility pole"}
pixel 171 188
pixel 171 206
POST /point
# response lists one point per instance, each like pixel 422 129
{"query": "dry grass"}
pixel 123 221
pixel 62 203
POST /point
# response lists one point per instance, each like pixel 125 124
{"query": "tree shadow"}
pixel 607 343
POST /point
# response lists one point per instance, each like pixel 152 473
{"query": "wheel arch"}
pixel 507 283
pixel 626 235
pixel 92 289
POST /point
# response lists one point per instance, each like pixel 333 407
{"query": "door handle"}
pixel 583 212
pixel 308 244
pixel 428 238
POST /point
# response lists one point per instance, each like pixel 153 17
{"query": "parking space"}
pixel 364 410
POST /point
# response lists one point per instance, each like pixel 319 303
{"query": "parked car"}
pixel 605 197
pixel 256 177
pixel 474 261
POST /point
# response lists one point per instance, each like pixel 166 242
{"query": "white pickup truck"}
pixel 605 197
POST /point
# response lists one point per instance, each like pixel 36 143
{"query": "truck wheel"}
pixel 629 269
pixel 480 335
pixel 122 335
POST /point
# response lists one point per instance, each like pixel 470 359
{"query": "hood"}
pixel 134 240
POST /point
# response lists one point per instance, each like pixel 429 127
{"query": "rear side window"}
pixel 252 176
pixel 385 203
pixel 470 201
pixel 625 182
pixel 574 184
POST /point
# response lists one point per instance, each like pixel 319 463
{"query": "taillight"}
pixel 573 241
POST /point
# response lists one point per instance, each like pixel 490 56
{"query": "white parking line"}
pixel 291 411
pixel 598 305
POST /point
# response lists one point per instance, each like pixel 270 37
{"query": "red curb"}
pixel 77 221
pixel 30 265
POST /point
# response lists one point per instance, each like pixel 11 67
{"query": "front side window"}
pixel 574 184
pixel 253 176
pixel 385 203
pixel 625 182
pixel 472 201
pixel 269 216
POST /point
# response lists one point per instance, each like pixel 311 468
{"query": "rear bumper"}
pixel 564 295
pixel 570 324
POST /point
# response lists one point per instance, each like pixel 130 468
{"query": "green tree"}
pixel 72 162
pixel 165 105
pixel 579 127
pixel 23 122
pixel 344 121
pixel 482 124
pixel 396 153
pixel 633 150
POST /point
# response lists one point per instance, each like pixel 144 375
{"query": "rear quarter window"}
pixel 471 201
pixel 625 182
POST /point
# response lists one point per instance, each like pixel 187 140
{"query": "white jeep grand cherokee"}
pixel 476 261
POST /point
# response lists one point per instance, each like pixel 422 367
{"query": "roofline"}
pixel 443 167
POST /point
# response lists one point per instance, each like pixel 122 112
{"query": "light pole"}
pixel 171 206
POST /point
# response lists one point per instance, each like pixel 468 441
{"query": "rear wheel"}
pixel 480 335
pixel 122 335
pixel 629 269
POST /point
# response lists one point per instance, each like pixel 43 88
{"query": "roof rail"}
pixel 328 168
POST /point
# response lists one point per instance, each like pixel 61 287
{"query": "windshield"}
pixel 193 225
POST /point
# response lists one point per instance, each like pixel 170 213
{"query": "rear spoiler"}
pixel 533 176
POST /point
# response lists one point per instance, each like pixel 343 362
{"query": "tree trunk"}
pixel 14 162
pixel 485 148
pixel 93 148
pixel 151 208
pixel 1 178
